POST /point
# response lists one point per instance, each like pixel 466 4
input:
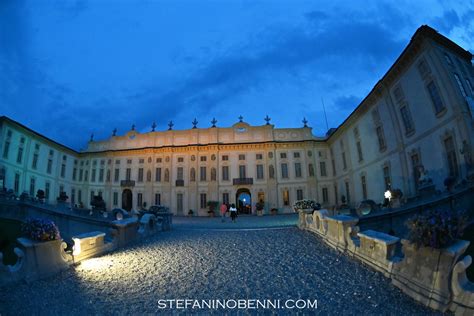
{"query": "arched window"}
pixel 167 175
pixel 192 176
pixel 271 172
pixel 213 174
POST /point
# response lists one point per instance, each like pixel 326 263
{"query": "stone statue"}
pixel 424 178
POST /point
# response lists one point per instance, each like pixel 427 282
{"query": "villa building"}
pixel 416 121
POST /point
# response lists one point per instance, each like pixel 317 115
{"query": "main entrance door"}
pixel 244 201
pixel 127 200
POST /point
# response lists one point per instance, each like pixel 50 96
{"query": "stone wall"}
pixel 433 277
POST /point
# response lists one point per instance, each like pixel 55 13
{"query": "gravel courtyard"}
pixel 270 263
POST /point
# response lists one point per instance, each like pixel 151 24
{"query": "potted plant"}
pixel 259 206
pixel 274 211
pixel 190 213
pixel 98 205
pixel 40 196
pixel 40 229
pixel 432 249
pixel 212 207
pixel 449 183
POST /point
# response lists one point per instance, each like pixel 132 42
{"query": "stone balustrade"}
pixel 433 277
pixel 148 225
pixel 36 260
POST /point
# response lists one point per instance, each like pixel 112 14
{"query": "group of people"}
pixel 228 208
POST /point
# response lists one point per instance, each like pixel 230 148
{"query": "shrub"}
pixel 304 204
pixel 436 229
pixel 40 229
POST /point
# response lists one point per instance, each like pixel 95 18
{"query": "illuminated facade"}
pixel 418 116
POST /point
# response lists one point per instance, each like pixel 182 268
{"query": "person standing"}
pixel 223 210
pixel 233 212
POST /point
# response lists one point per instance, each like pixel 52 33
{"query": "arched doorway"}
pixel 244 201
pixel 127 200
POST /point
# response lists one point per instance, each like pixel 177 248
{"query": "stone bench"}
pixel 89 245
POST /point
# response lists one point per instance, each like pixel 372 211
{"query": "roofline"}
pixel 204 145
pixel 424 30
pixel 11 121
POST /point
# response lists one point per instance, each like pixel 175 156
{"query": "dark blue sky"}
pixel 72 68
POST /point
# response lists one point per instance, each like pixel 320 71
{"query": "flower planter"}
pixel 424 273
pixel 302 215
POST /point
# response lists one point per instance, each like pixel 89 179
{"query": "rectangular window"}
pixel 225 198
pixel 203 158
pixel 158 175
pixel 140 174
pixel 259 156
pixel 296 155
pixel 32 187
pixel 93 174
pixel 406 118
pixel 86 175
pixel 322 167
pixel 336 197
pixel 325 195
pixel 81 173
pixel 180 159
pixel 387 177
pixel 16 186
pixel 364 187
pixel 202 173
pixel 157 199
pixel 115 199
pixel 241 157
pixel 348 192
pixel 225 158
pixel 63 170
pixel 344 162
pixel 286 197
pixel 284 170
pixel 128 174
pixel 47 188
pixel 461 87
pixel 74 174
pixel 297 170
pixel 448 59
pixel 34 164
pixel 92 196
pixel 116 175
pixel 435 97
pixel 283 155
pixel 242 172
pixel 159 160
pixel 451 157
pixel 19 157
pixel 260 172
pixel 311 170
pixel 359 151
pixel 101 175
pixel 139 199
pixel 6 149
pixel 469 86
pixel 141 160
pixel 333 163
pixel 203 200
pixel 79 196
pixel 180 173
pixel 381 138
pixel 299 194
pixel 225 173
pixel 73 196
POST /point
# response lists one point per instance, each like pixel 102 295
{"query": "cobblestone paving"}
pixel 281 264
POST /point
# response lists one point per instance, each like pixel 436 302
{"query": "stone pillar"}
pixel 125 231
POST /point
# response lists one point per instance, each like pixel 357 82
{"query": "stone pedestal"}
pixel 425 273
pixel 125 231
pixel 302 214
pixel 340 231
pixel 377 249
